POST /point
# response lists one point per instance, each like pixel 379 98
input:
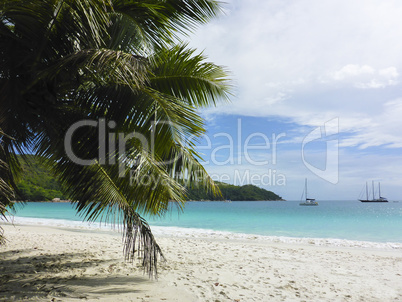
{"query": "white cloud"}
pixel 353 71
pixel 311 61
pixel 366 77
pixel 381 129
pixel 390 73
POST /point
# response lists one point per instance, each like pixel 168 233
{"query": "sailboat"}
pixel 308 201
pixel 379 199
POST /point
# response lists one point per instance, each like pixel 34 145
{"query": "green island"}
pixel 233 193
pixel 38 183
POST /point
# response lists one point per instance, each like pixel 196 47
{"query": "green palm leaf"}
pixel 63 62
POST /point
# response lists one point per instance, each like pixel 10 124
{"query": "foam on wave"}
pixel 206 233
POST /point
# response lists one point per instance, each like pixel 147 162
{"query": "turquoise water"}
pixel 352 220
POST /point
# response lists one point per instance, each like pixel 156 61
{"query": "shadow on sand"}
pixel 59 276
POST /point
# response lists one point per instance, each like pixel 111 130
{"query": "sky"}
pixel 317 95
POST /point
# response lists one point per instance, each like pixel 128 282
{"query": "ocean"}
pixel 331 220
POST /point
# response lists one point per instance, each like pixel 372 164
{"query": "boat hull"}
pixel 379 199
pixel 309 204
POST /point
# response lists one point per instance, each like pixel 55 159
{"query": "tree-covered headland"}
pixel 38 183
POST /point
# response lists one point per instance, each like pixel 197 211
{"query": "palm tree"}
pixel 103 92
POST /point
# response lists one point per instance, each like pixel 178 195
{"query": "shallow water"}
pixel 350 220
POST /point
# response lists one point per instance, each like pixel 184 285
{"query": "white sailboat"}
pixel 374 199
pixel 308 201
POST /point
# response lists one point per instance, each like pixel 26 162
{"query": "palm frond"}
pixel 63 62
pixel 159 23
pixel 138 231
pixel 100 198
pixel 181 73
pixel 100 66
pixel 7 186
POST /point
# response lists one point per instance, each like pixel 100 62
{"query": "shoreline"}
pixel 182 232
pixel 40 263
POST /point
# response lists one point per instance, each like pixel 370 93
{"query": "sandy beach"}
pixel 41 263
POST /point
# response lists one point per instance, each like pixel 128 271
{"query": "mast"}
pixel 305 183
pixel 366 191
pixel 373 189
pixel 379 190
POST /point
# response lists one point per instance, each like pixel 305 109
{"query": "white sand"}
pixel 53 264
